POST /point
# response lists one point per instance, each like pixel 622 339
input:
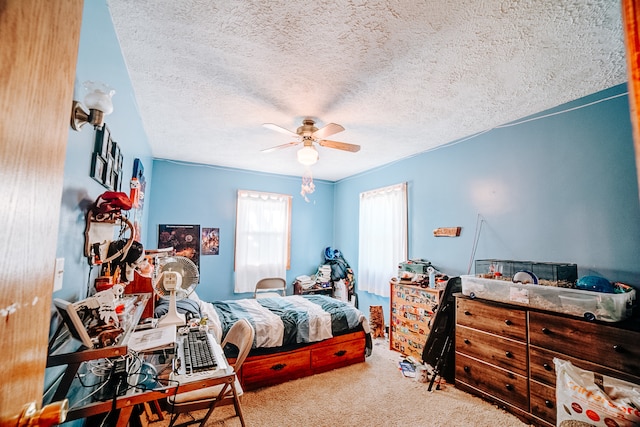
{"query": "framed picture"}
pixel 185 240
pixel 98 167
pixel 210 241
pixel 115 151
pixel 108 148
pixel 102 144
pixel 107 160
pixel 115 185
pixel 107 180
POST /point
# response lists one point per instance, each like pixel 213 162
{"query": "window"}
pixel 383 237
pixel 263 238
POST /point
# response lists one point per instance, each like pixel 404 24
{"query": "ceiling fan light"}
pixel 307 156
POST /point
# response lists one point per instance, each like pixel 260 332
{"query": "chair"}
pixel 270 287
pixel 240 335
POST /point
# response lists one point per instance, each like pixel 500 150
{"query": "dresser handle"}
pixel 509 387
pixel 508 354
pixel 618 348
pixel 466 369
pixel 508 322
pixel 467 313
pixel 548 404
pixel 340 353
pixel 466 341
pixel 546 331
pixel 547 367
pixel 278 367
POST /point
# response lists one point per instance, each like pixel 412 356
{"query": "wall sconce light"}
pixel 307 155
pixel 98 101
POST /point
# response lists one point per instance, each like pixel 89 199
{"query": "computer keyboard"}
pixel 198 356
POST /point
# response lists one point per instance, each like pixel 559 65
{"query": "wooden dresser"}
pixel 411 310
pixel 505 353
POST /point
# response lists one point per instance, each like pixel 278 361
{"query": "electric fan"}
pixel 177 277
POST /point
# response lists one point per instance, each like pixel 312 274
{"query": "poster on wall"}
pixel 210 241
pixel 185 239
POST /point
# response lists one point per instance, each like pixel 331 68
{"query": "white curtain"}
pixel 262 238
pixel 383 237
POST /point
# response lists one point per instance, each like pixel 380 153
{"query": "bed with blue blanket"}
pixel 295 336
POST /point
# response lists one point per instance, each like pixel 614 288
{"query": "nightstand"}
pixel 313 290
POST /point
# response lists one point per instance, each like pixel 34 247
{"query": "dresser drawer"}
pixel 505 385
pixel 272 370
pixel 603 345
pixel 504 321
pixel 502 352
pixel 332 356
pixel 542 368
pixel 543 401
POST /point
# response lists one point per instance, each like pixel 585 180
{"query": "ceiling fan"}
pixel 307 134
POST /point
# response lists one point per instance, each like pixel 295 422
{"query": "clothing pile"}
pixel 341 275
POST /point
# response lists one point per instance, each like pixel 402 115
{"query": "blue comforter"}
pixel 296 319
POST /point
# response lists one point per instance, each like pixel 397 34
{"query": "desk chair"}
pixel 269 287
pixel 240 335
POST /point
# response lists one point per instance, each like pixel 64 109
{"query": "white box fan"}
pixel 177 277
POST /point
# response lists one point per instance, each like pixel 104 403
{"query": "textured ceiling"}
pixel 401 76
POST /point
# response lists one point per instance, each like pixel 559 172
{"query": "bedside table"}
pixel 315 289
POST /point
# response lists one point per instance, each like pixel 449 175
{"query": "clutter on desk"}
pixel 102 319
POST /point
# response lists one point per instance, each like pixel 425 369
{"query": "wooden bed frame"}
pixel 270 369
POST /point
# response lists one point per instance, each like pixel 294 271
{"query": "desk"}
pixel 133 397
pixel 81 380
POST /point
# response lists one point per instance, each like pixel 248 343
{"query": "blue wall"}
pixel 99 59
pixel 559 189
pixel 195 194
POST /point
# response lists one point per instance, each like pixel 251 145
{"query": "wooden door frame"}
pixel 38 58
pixel 631 20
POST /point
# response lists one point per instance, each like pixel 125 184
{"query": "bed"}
pixel 296 336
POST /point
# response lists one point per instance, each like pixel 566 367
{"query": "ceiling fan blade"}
pixel 339 145
pixel 277 147
pixel 327 130
pixel 279 129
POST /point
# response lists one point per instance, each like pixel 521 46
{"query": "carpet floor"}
pixel 374 393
